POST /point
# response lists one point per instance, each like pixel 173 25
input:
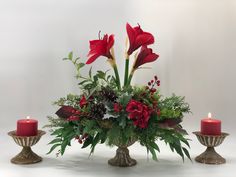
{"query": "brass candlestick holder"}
pixel 26 156
pixel 210 156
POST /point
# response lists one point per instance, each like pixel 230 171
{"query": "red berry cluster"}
pixel 151 84
pixel 81 138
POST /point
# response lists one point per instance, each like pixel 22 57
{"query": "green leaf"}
pixel 83 82
pixel 79 66
pixel 95 142
pixel 155 146
pixel 87 142
pixel 70 55
pixel 89 126
pixel 101 75
pixel 78 132
pixel 63 146
pixel 154 156
pixel 185 141
pixel 57 140
pixel 186 153
pixel 178 149
pixel 103 136
pixel 90 72
pixel 122 121
pixel 53 147
pixel 57 131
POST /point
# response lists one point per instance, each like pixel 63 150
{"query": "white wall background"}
pixel 196 40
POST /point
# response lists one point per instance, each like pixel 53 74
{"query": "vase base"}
pixel 122 158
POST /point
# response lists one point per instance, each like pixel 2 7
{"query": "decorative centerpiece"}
pixel 118 114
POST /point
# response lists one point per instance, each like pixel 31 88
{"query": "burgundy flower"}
pixel 66 111
pixel 100 47
pixel 139 113
pixel 83 102
pixel 117 107
pixel 137 38
pixel 145 56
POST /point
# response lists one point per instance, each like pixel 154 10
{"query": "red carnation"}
pixel 145 56
pixel 139 113
pixel 83 102
pixel 100 47
pixel 117 107
pixel 137 38
pixel 66 111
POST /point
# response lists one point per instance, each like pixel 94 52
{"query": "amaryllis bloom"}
pixel 83 102
pixel 66 111
pixel 145 56
pixel 100 47
pixel 139 113
pixel 137 38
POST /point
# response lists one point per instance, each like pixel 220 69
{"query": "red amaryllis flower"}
pixel 100 47
pixel 66 111
pixel 83 102
pixel 139 113
pixel 137 38
pixel 145 56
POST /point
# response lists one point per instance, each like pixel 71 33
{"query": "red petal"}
pixel 150 58
pixel 110 42
pixel 144 39
pixel 131 36
pixel 92 58
pixel 94 43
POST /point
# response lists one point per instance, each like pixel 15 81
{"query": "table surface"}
pixel 76 162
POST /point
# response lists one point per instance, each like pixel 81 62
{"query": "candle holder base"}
pixel 210 156
pixel 26 156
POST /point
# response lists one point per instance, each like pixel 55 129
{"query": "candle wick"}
pixel 27 118
pixel 209 115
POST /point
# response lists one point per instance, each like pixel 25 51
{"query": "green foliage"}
pixel 173 107
pixel 117 127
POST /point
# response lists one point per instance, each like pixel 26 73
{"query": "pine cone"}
pixel 97 110
pixel 107 94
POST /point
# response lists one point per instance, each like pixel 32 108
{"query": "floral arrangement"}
pixel 118 114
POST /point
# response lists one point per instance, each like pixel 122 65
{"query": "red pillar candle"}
pixel 27 127
pixel 210 126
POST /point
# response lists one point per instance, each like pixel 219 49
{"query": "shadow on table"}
pixel 97 166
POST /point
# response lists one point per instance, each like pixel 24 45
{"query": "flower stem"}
pixel 117 76
pixel 126 71
pixel 130 77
